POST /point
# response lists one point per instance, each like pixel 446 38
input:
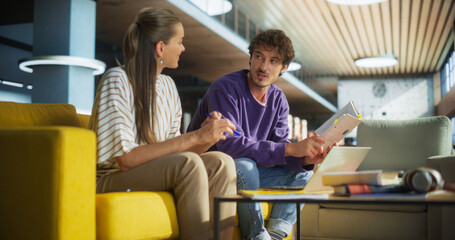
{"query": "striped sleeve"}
pixel 176 110
pixel 168 109
pixel 115 130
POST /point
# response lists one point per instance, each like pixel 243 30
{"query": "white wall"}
pixel 393 99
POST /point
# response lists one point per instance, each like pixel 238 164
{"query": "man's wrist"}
pixel 288 150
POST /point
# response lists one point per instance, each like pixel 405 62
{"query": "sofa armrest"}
pixel 445 164
pixel 442 217
pixel 47 183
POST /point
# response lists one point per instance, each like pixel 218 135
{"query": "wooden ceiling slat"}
pixel 415 12
pixel 438 36
pixel 429 34
pixel 361 31
pixel 313 35
pixel 302 39
pixel 405 17
pixel 332 42
pixel 364 29
pixel 369 30
pixel 360 51
pixel 449 44
pixel 347 16
pixel 377 39
pixel 446 40
pixel 395 9
pixel 421 32
pixel 305 40
pixel 376 23
pixel 343 29
pixel 387 28
pixel 320 29
pixel 343 44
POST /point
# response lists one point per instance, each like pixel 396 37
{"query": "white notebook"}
pixel 339 125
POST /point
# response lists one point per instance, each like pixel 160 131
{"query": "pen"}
pixel 210 116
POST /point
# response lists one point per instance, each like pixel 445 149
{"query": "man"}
pixel 263 155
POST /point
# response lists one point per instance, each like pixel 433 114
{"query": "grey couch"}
pixel 399 145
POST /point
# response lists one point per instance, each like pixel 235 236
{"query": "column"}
pixel 64 27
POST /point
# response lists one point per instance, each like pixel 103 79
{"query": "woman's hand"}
pixel 215 115
pixel 213 129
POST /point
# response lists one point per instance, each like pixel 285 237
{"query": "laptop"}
pixel 339 159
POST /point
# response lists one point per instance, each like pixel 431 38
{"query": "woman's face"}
pixel 174 48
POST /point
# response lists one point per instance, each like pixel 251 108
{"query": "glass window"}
pixel 448 82
pixel 241 24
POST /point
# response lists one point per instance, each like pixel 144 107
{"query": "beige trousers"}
pixel 193 179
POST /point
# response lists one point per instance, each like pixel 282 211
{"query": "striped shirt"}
pixel 113 116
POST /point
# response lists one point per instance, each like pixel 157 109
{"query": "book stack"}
pixel 363 182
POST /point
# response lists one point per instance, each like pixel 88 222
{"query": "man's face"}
pixel 265 66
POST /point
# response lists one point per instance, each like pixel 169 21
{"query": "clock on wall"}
pixel 379 89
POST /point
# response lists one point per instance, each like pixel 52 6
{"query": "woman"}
pixel 136 116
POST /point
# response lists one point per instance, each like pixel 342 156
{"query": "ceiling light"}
pixel 12 84
pixel 355 2
pixel 97 66
pixel 376 62
pixel 294 66
pixel 213 7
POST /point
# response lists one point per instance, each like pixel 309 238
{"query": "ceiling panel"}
pixel 329 37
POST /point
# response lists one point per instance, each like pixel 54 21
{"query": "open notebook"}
pixel 339 159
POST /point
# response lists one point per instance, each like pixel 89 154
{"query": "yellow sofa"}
pixel 48 178
pixel 47 182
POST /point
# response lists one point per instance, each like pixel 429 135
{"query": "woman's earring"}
pixel 161 61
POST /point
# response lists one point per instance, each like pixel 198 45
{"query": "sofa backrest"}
pixel 404 144
pixel 84 119
pixel 14 114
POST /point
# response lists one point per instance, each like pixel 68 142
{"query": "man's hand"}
pixel 308 147
pixel 319 158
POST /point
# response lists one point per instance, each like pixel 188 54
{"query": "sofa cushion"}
pixel 136 215
pixel 404 144
pixel 37 114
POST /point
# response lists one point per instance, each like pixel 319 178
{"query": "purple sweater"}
pixel 264 129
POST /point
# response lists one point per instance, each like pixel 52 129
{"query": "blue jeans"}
pixel 283 216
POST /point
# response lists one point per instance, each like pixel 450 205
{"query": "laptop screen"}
pixel 339 159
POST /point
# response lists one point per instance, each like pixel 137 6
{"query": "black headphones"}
pixel 423 180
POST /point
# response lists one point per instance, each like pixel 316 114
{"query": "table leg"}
pixel 217 219
pixel 298 221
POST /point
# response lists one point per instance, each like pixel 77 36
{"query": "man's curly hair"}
pixel 274 38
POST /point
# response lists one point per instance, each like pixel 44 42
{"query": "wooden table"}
pixel 445 198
